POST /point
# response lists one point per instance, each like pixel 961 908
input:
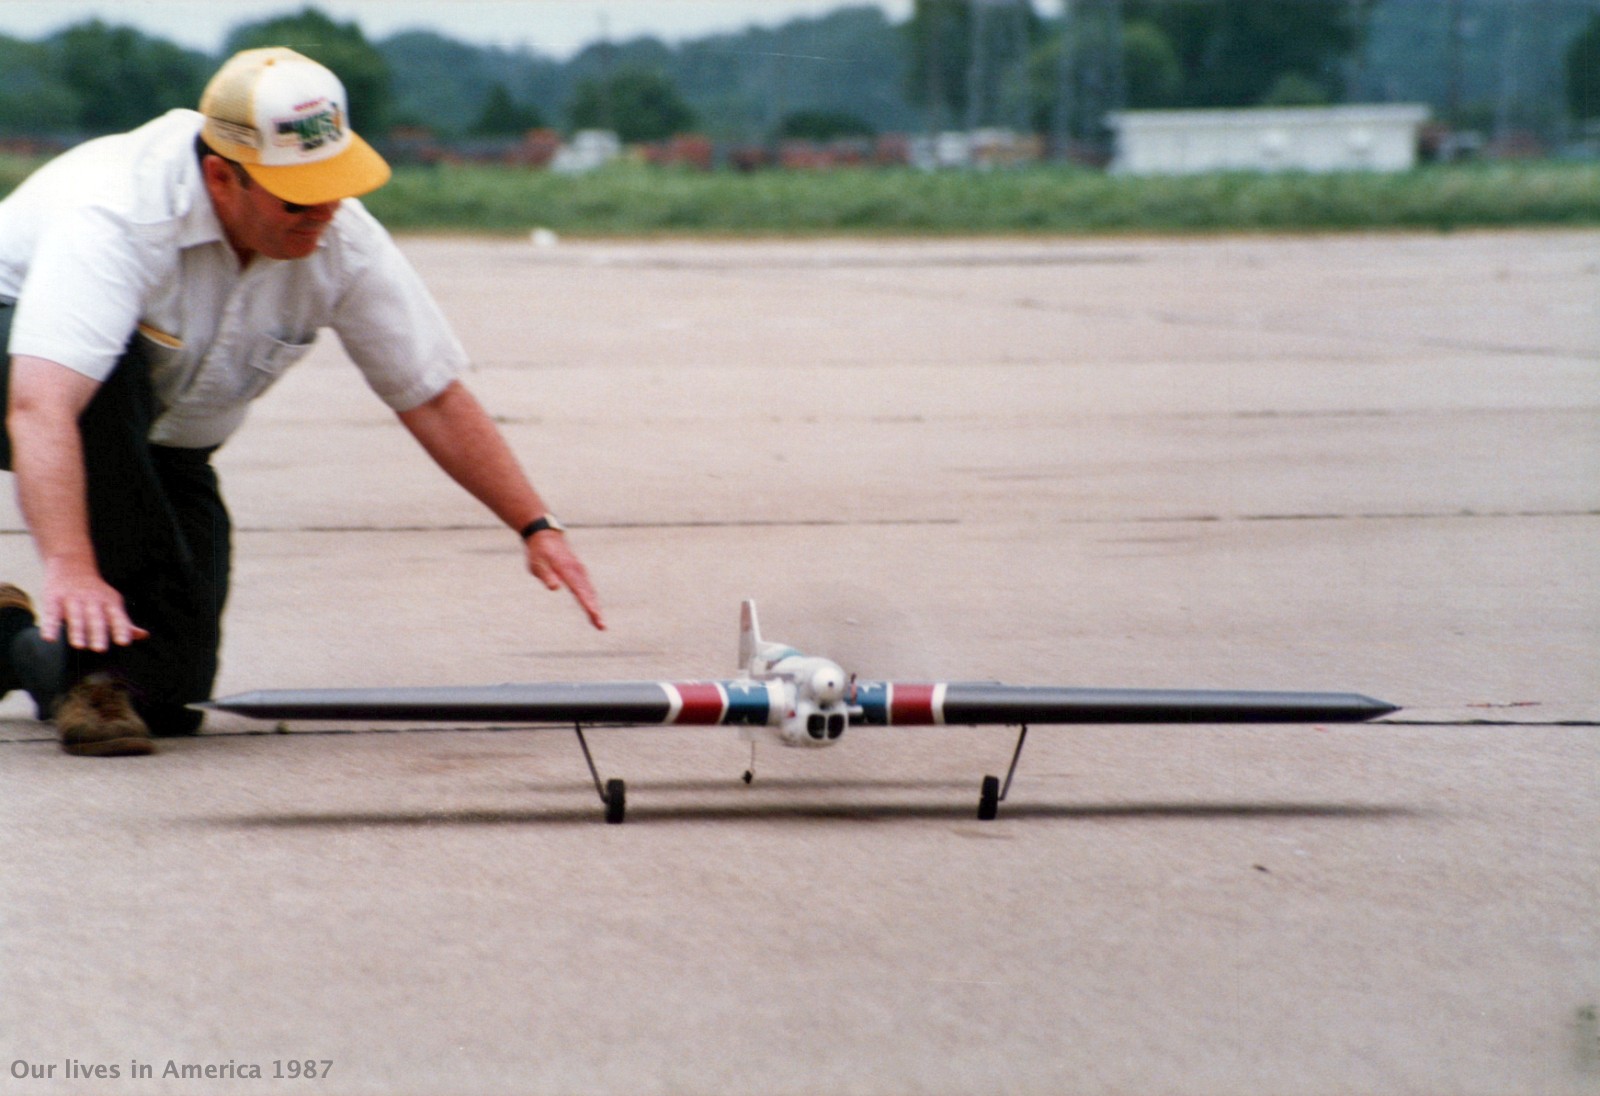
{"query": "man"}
pixel 151 285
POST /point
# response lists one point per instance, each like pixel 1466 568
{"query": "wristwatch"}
pixel 539 525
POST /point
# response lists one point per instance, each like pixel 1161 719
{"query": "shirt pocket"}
pixel 239 380
pixel 163 351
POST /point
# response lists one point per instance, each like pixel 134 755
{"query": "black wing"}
pixel 763 703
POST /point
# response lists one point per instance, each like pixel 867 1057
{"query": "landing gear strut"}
pixel 993 792
pixel 613 793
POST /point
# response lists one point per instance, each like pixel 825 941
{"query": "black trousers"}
pixel 162 538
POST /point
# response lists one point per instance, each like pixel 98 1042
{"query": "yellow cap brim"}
pixel 356 171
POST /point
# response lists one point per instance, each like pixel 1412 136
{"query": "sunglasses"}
pixel 294 209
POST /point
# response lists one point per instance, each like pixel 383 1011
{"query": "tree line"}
pixel 951 64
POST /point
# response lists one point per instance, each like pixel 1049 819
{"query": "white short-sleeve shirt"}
pixel 117 240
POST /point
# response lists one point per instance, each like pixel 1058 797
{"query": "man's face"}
pixel 256 222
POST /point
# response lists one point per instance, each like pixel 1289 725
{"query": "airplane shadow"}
pixel 642 811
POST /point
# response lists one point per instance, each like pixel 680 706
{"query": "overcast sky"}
pixel 554 27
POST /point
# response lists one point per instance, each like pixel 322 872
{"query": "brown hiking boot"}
pixel 13 601
pixel 13 597
pixel 95 719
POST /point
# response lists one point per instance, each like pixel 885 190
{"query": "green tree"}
pixel 444 85
pixel 33 98
pixel 122 78
pixel 1234 53
pixel 823 125
pixel 742 85
pixel 1583 73
pixel 939 54
pixel 341 47
pixel 503 116
pixel 636 104
pixel 1150 67
pixel 1294 89
pixel 967 60
pixel 1092 65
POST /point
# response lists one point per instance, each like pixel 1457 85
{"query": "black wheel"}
pixel 616 802
pixel 989 799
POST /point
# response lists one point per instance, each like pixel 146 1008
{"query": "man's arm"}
pixel 463 440
pixel 47 456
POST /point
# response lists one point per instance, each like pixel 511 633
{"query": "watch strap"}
pixel 540 524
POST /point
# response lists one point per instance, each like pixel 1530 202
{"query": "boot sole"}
pixel 131 746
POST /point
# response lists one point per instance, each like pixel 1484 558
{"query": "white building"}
pixel 589 150
pixel 1318 139
pixel 982 148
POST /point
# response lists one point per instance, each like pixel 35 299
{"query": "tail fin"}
pixel 749 634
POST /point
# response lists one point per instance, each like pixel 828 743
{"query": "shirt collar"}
pixel 200 225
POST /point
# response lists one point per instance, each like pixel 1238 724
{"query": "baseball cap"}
pixel 285 118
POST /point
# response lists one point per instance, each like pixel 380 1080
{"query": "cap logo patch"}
pixel 309 132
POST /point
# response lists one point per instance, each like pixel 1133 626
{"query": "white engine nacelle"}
pixel 817 714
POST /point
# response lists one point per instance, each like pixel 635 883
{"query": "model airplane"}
pixel 799 700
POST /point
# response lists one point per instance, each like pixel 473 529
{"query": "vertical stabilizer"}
pixel 749 635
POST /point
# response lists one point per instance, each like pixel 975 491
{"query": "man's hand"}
pixel 552 561
pixel 91 609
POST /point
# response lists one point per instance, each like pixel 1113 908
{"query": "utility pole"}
pixel 1019 44
pixel 1092 77
pixel 934 58
pixel 607 107
pixel 1064 82
pixel 977 49
pixel 1510 46
pixel 997 53
pixel 1355 69
pixel 1455 32
pixel 1114 51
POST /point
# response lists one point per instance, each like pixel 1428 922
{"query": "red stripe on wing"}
pixel 911 705
pixel 703 702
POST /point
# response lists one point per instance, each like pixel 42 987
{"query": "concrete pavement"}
pixel 1356 462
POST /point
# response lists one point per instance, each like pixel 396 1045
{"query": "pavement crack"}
pixel 921 522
